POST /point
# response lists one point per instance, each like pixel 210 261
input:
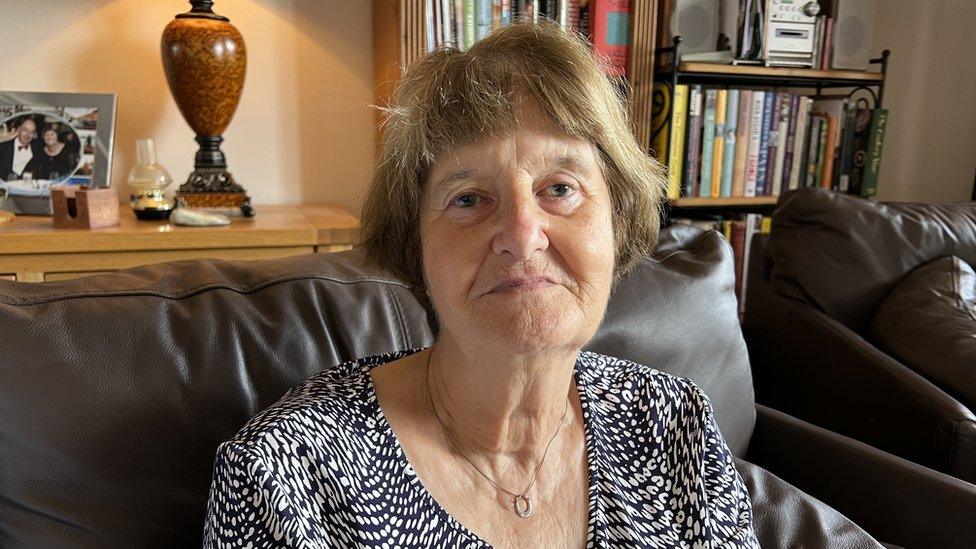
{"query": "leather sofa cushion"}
pixel 928 322
pixel 784 516
pixel 844 254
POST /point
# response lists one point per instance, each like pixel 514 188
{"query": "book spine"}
pixel 610 20
pixel 718 146
pixel 827 40
pixel 447 22
pixel 737 240
pixel 821 150
pixel 743 132
pixel 784 121
pixel 574 14
pixel 430 36
pixel 506 16
pixel 773 142
pixel 693 146
pixel 763 164
pixel 496 13
pixel 434 23
pixel 800 141
pixel 879 122
pixel 676 152
pixel 859 149
pixel 755 142
pixel 470 27
pixel 458 19
pixel 826 180
pixel 790 144
pixel 708 140
pixel 731 126
pixel 846 144
pixel 659 121
pixel 814 144
pixel 482 18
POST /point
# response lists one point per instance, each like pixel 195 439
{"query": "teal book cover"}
pixel 728 159
pixel 708 140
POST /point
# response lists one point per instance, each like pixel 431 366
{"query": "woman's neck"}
pixel 499 404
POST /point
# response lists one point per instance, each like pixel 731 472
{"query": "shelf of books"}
pixel 622 32
pixel 737 136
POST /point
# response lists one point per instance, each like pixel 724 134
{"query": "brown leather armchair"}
pixel 116 389
pixel 815 285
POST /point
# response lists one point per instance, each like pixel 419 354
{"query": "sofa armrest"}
pixel 816 369
pixel 894 500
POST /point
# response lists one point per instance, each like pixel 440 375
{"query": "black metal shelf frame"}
pixel 676 75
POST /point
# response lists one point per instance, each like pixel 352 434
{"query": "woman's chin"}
pixel 530 328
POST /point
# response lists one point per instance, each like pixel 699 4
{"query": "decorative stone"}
pixel 190 216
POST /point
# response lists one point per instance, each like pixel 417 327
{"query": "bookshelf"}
pixel 399 38
pixel 672 71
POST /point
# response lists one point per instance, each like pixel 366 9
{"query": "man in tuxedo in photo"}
pixel 17 152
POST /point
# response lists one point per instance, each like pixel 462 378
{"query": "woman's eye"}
pixel 558 190
pixel 467 200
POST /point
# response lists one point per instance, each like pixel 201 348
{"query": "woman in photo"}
pixel 54 160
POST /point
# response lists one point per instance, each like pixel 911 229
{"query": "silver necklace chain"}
pixel 521 502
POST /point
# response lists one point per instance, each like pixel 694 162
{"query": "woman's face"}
pixel 50 137
pixel 517 239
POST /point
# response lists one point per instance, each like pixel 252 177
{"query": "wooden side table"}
pixel 31 250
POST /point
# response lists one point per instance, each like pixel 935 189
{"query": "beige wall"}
pixel 303 131
pixel 930 148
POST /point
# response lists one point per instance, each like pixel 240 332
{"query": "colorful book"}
pixel 879 122
pixel 785 99
pixel 755 141
pixel 859 148
pixel 843 166
pixel 821 150
pixel 447 22
pixel 718 147
pixel 763 164
pixel 483 16
pixel 827 176
pixel 458 19
pixel 773 144
pixel 506 15
pixel 784 182
pixel 813 146
pixel 800 141
pixel 676 151
pixel 470 27
pixel 693 144
pixel 743 132
pixel 609 19
pixel 660 109
pixel 708 141
pixel 731 126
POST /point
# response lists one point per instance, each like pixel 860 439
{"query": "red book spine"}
pixel 608 25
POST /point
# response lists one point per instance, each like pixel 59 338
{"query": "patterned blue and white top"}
pixel 322 468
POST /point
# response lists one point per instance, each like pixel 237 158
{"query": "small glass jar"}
pixel 153 197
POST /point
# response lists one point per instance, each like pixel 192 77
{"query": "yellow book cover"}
pixel 721 97
pixel 660 104
pixel 676 152
pixel 767 225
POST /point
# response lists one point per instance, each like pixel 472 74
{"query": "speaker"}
pixel 697 22
pixel 853 34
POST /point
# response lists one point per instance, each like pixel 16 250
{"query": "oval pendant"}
pixel 523 507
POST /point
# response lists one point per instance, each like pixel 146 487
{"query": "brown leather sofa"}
pixel 818 286
pixel 116 389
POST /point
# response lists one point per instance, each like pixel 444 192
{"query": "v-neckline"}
pixel 589 437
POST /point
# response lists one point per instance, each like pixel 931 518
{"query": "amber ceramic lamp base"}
pixel 205 61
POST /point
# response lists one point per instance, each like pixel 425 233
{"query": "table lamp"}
pixel 205 60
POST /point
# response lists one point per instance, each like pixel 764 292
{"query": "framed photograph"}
pixel 49 139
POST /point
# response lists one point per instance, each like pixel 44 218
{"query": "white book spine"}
pixel 755 138
pixel 784 124
pixel 447 27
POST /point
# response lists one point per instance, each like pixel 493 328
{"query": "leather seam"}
pixel 195 291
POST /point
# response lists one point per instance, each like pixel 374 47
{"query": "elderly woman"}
pixel 511 190
pixel 55 160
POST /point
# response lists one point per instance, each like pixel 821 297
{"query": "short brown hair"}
pixel 449 98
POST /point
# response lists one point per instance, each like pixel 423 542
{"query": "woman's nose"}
pixel 521 229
